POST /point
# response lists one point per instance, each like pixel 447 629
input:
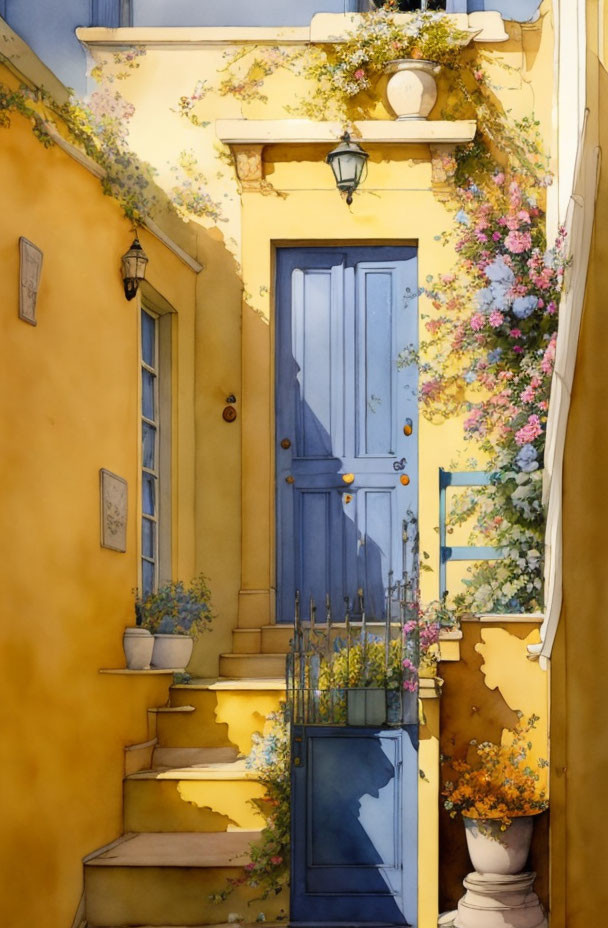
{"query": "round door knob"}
pixel 229 414
pixel 404 479
pixel 348 479
pixel 285 443
pixel 408 428
pixel 290 479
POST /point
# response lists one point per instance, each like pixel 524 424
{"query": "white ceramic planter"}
pixel 172 652
pixel 494 851
pixel 411 89
pixel 137 644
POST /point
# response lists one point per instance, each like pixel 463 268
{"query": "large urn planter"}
pixel 494 851
pixel 137 644
pixel 411 89
pixel 171 652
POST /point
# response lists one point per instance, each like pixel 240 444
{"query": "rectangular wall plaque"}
pixel 30 267
pixel 113 494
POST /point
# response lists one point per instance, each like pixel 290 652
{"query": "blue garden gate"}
pixel 346 422
pixel 354 826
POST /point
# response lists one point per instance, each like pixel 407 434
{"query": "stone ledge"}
pixel 307 131
pixel 325 28
pixel 124 671
pixel 506 618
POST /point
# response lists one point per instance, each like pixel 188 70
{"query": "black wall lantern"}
pixel 133 268
pixel 347 161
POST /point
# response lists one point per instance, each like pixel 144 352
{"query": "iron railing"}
pixel 351 671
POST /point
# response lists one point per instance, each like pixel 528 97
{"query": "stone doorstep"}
pixel 183 849
pixel 274 684
pixel 174 758
pixel 232 770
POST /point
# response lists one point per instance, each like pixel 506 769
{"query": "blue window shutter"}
pixel 111 13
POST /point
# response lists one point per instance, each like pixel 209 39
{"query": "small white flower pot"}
pixel 172 652
pixel 137 644
pixel 411 89
pixel 494 851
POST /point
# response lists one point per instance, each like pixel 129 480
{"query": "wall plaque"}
pixel 113 493
pixel 30 266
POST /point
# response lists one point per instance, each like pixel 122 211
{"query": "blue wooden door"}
pixel 345 408
pixel 354 826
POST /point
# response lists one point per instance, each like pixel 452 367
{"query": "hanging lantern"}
pixel 347 161
pixel 133 268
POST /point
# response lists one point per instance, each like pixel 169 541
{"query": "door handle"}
pixel 285 443
pixel 348 479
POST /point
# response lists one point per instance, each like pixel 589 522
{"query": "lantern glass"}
pixel 133 268
pixel 347 162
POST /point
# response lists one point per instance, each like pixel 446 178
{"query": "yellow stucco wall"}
pixel 69 406
pixel 234 349
pixel 579 888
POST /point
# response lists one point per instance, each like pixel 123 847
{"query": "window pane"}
pixel 148 445
pixel 147 577
pixel 147 538
pixel 147 394
pixel 148 338
pixel 148 491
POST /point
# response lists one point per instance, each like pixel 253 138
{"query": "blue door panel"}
pixel 354 826
pixel 343 317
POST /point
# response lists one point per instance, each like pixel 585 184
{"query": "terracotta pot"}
pixel 137 644
pixel 172 652
pixel 411 89
pixel 494 851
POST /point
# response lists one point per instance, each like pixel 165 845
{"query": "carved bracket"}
pixel 443 168
pixel 249 166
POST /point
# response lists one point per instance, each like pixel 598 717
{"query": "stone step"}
pixel 166 879
pixel 259 666
pixel 165 758
pixel 227 713
pixel 232 924
pixel 197 798
pixel 246 640
pixel 276 639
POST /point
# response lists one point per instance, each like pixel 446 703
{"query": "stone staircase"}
pixel 257 652
pixel 190 813
pixel 191 805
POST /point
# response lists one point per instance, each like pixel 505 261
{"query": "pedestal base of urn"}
pixel 494 900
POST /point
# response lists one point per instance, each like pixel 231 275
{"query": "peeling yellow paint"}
pixel 234 798
pixel 243 719
pixel 522 683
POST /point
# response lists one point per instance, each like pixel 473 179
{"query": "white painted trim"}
pixel 158 233
pixel 307 131
pixel 20 59
pixel 76 153
pixel 324 28
pixel 579 226
pixel 191 36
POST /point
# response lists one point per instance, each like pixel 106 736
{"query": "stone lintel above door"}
pixel 247 139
